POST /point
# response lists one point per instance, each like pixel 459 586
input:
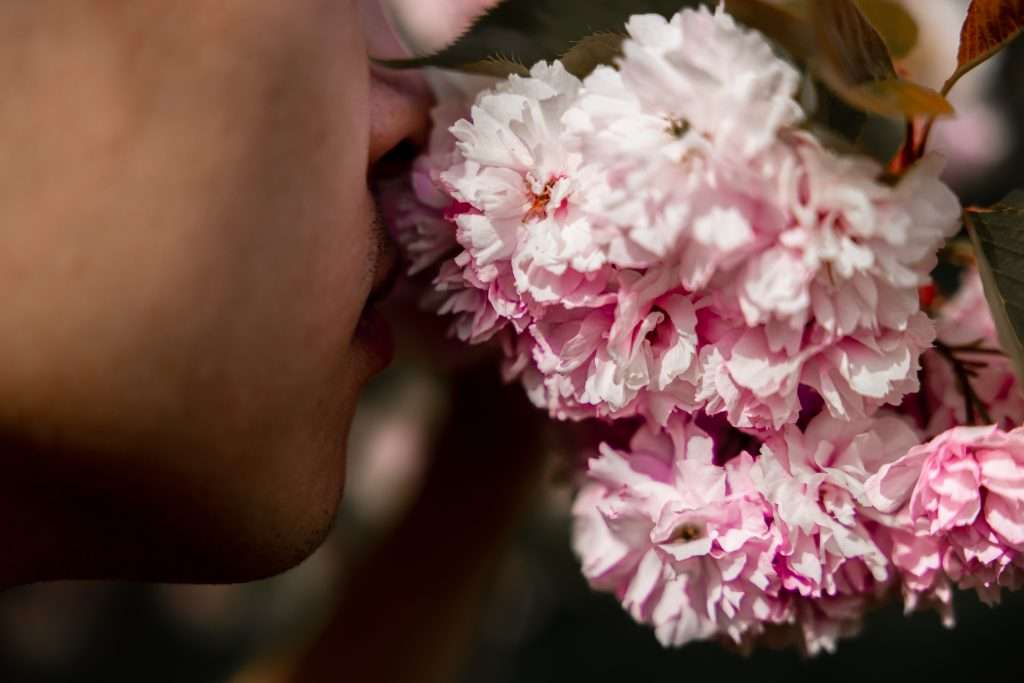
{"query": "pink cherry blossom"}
pixel 419 227
pixel 854 250
pixel 753 374
pixel 963 493
pixel 685 544
pixel 637 353
pixel 520 180
pixel 479 312
pixel 815 480
pixel 700 549
pixel 702 71
pixel 675 126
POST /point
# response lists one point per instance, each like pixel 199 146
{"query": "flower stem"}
pixel 974 407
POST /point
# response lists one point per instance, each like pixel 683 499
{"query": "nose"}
pixel 399 112
pixel 400 101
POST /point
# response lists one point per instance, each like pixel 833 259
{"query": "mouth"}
pixel 372 328
pixel 397 163
pixel 387 264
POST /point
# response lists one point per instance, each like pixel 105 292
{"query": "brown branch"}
pixel 964 371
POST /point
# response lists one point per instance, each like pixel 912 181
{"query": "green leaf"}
pixel 498 67
pixel 998 237
pixel 528 31
pixel 833 118
pixel 787 24
pixel 849 43
pixel 895 97
pixel 893 22
pixel 591 52
pixel 854 61
pixel 989 27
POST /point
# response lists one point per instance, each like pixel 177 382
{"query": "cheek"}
pixel 195 324
pixel 303 226
pixel 218 304
pixel 290 257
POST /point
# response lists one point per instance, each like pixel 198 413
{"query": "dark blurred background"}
pixel 540 622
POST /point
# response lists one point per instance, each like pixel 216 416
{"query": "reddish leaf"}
pixel 786 24
pixel 990 25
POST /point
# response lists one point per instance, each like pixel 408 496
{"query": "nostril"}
pixel 397 160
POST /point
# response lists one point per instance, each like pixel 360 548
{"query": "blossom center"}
pixel 686 532
pixel 677 127
pixel 539 200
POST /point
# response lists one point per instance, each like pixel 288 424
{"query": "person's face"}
pixel 188 245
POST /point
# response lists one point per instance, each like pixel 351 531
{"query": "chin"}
pixel 265 537
pixel 251 542
pixel 235 497
pixel 272 508
pixel 269 554
pixel 232 523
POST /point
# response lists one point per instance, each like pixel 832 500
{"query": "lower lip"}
pixel 375 334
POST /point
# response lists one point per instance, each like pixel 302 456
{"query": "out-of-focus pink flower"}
pixel 428 25
pixel 918 560
pixel 963 491
pixel 964 324
pixel 822 622
pixel 685 544
pixel 979 136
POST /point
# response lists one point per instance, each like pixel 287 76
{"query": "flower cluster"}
pixel 664 236
pixel 701 549
pixel 665 239
pixel 805 534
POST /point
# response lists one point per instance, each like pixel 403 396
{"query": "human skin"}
pixel 187 245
